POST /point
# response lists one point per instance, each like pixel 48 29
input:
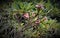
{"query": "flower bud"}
pixel 26 15
pixel 45 18
pixel 40 6
pixel 37 21
pixel 33 14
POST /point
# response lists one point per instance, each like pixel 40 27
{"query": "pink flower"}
pixel 40 6
pixel 26 15
pixel 37 21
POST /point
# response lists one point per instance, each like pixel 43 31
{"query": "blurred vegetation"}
pixel 29 19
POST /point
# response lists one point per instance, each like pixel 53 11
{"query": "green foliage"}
pixel 30 29
pixel 23 6
pixel 29 21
